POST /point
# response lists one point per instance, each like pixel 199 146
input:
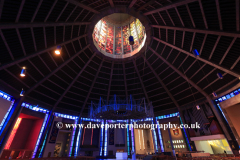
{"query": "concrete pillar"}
pixel 170 137
pixel 15 112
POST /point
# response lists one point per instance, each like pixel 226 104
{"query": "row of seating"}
pixel 63 158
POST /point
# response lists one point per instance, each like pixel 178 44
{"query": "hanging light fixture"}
pixel 58 50
pixel 22 93
pixel 214 94
pixel 219 75
pixel 131 40
pixel 197 106
pixel 23 72
pixel 195 52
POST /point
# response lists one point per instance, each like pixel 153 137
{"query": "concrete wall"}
pixel 62 138
pixel 203 146
pixel 166 138
pixel 120 137
pixel 4 106
pixel 51 146
pixel 143 137
pixel 233 114
pixel 27 134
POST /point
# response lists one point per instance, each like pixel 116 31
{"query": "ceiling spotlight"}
pixel 197 106
pixel 131 40
pixel 23 72
pixel 214 94
pixel 58 50
pixel 219 75
pixel 22 93
pixel 195 52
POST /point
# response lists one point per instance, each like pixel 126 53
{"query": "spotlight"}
pixel 214 94
pixel 131 40
pixel 197 106
pixel 195 52
pixel 58 50
pixel 23 72
pixel 22 93
pixel 219 75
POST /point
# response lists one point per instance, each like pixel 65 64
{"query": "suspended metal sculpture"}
pixel 118 109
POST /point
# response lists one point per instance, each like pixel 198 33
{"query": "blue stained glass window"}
pixel 236 92
pixel 228 96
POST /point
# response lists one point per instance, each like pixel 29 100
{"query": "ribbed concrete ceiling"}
pixel 168 74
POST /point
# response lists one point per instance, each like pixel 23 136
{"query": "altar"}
pixel 121 155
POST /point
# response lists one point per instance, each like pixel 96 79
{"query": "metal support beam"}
pixel 8 49
pixel 125 80
pixel 54 71
pixel 90 90
pixel 193 38
pixel 110 81
pixel 214 107
pixel 20 40
pixel 132 3
pixel 219 14
pixel 62 11
pixel 235 63
pixel 40 24
pixel 204 40
pixel 201 59
pixel 203 14
pixel 83 6
pixel 74 80
pixel 155 19
pixel 146 4
pixel 230 46
pixel 219 33
pixel 237 15
pixel 111 3
pixel 179 16
pixel 50 11
pixel 216 43
pixel 140 79
pixel 206 75
pixel 71 13
pixel 20 10
pixel 38 53
pixel 183 37
pixel 170 6
pixel 162 18
pixel 190 15
pixel 161 82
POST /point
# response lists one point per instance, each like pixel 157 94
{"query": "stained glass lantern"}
pixel 119 35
